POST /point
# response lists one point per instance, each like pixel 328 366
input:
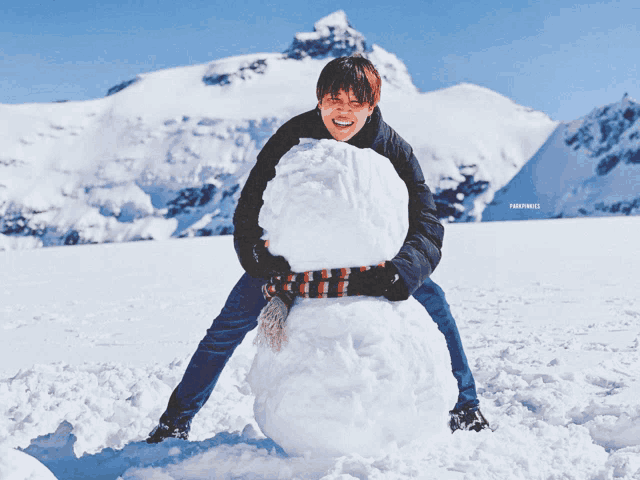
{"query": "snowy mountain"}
pixel 590 167
pixel 166 154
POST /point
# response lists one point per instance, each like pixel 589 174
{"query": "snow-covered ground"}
pixel 94 338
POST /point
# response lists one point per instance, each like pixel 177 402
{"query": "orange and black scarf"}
pixel 281 291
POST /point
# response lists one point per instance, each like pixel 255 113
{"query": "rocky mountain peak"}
pixel 608 128
pixel 332 36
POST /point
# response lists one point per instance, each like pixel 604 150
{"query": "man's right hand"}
pixel 265 264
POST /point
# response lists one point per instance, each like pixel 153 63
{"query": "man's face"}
pixel 343 115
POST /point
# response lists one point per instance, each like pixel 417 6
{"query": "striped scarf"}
pixel 281 291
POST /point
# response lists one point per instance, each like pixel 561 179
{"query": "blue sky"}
pixel 556 56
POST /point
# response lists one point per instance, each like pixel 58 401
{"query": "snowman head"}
pixel 332 205
pixel 348 90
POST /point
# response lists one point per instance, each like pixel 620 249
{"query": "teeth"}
pixel 343 124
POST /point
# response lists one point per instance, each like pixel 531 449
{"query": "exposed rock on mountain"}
pixel 333 36
pixel 590 167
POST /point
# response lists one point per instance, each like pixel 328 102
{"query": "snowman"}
pixel 356 374
pixel 17 465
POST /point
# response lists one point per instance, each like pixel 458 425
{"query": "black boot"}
pixel 469 419
pixel 169 430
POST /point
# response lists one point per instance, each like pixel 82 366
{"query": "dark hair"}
pixel 346 73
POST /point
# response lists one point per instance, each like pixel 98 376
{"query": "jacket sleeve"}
pixel 421 251
pixel 246 230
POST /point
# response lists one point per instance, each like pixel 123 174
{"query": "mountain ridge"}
pixel 589 167
pixel 166 154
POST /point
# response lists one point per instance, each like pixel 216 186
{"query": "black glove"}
pixel 265 264
pixel 396 288
pixel 380 282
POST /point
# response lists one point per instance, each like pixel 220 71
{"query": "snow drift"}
pixel 551 336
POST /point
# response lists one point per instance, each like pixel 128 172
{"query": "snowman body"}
pixel 358 374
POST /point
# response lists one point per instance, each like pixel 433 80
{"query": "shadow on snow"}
pixel 55 451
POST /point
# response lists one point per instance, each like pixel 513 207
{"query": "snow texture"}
pixel 360 373
pixel 16 465
pixel 94 339
pixel 332 205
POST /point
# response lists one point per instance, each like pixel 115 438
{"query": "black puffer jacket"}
pixel 420 253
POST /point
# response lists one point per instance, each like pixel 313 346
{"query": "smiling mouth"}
pixel 342 124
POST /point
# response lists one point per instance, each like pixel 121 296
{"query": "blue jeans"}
pixel 239 316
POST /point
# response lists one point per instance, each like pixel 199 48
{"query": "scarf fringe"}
pixel 280 292
pixel 272 320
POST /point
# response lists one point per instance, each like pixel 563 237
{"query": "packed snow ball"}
pixel 332 205
pixel 358 374
pixel 17 465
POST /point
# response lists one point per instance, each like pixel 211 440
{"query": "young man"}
pixel 348 92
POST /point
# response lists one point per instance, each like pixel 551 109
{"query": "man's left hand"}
pixel 381 281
